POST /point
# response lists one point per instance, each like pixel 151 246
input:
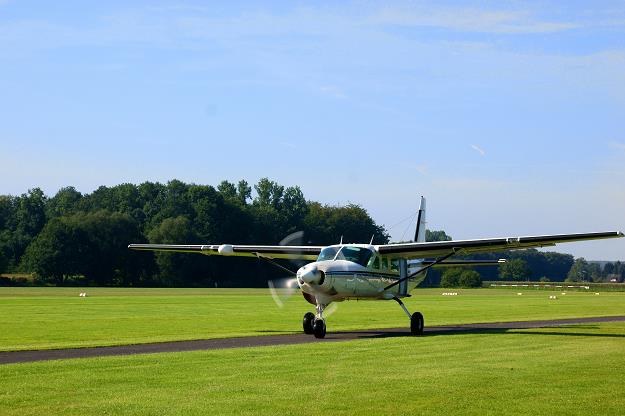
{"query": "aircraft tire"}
pixel 319 328
pixel 416 323
pixel 309 319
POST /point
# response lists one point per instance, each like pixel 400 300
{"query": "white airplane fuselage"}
pixel 340 278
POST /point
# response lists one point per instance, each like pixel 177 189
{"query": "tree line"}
pixel 75 238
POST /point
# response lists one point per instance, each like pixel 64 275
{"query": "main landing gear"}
pixel 416 319
pixel 315 324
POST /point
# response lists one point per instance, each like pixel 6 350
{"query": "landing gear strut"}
pixel 416 319
pixel 315 324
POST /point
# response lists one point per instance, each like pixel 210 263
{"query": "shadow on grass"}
pixel 434 332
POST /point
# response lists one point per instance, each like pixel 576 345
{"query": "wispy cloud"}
pixel 289 145
pixel 478 149
pixel 333 91
pixel 422 168
pixel 470 20
pixel 617 145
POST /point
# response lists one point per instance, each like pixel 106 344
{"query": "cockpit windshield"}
pixel 358 255
pixel 328 253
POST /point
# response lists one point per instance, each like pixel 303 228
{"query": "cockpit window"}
pixel 375 264
pixel 328 253
pixel 358 255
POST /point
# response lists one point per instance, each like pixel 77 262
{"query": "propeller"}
pixel 330 309
pixel 281 290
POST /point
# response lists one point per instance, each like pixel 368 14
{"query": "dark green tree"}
pixel 89 245
pixel 451 277
pixel 58 252
pixel 244 192
pixel 66 202
pixel 176 269
pixel 514 269
pixel 228 190
pixel 439 235
pixel 470 278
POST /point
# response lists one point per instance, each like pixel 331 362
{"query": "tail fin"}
pixel 419 235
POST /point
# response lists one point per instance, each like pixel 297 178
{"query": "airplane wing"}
pixel 271 252
pixel 442 248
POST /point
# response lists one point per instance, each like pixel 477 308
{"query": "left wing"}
pixel 442 248
pixel 272 252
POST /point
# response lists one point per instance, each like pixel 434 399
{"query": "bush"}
pixel 470 278
pixel 451 277
pixel 460 278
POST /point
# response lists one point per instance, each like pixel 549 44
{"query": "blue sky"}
pixel 509 117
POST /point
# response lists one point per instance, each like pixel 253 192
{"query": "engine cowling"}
pixel 310 274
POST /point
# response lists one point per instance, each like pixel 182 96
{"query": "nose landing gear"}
pixel 315 324
pixel 319 328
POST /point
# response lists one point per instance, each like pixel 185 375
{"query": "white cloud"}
pixel 478 149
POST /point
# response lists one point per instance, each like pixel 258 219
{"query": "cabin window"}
pixel 384 263
pixel 395 265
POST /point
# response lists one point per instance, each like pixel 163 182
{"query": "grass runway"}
pixel 576 369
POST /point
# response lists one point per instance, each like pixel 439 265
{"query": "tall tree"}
pixel 244 191
pixel 65 202
pixel 579 271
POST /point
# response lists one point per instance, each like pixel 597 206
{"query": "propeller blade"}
pixel 330 309
pixel 281 290
pixel 293 239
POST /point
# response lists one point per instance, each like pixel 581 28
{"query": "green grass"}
pixel 39 318
pixel 575 370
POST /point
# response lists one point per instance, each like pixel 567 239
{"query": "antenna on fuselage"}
pixel 371 242
pixel 341 242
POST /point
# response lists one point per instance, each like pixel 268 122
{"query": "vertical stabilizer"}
pixel 419 235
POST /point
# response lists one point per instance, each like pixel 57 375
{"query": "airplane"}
pixel 367 271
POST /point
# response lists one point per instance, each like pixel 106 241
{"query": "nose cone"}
pixel 308 274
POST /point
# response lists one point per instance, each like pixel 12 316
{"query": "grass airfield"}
pixel 576 369
pixel 45 318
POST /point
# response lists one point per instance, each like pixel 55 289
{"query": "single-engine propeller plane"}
pixel 367 271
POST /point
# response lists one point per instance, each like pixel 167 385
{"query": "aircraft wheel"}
pixel 319 328
pixel 416 323
pixel 309 319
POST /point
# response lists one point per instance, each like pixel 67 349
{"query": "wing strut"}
pixel 273 263
pixel 410 276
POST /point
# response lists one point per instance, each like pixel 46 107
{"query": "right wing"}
pixel 272 252
pixel 442 248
